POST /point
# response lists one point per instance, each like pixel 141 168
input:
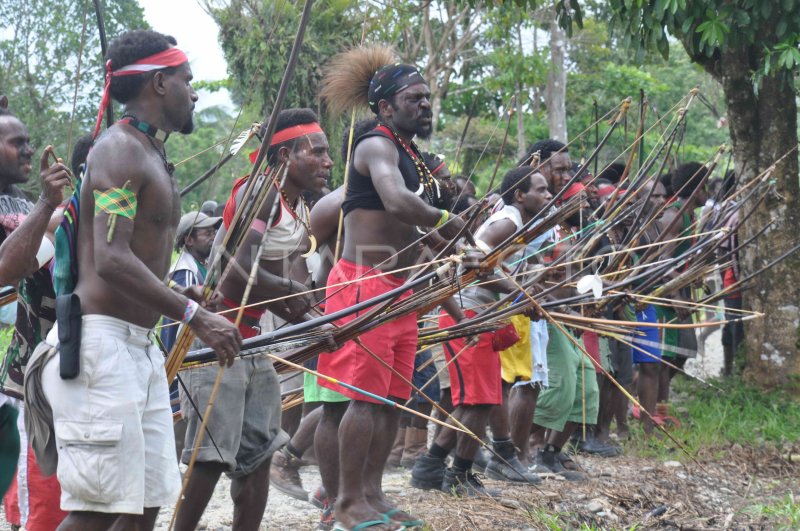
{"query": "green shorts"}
pixel 667 314
pixel 572 394
pixel 9 446
pixel 313 392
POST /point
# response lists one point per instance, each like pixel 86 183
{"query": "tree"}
pixel 556 94
pixel 194 154
pixel 46 48
pixel 440 41
pixel 751 48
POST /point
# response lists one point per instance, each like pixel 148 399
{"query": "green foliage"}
pixel 708 29
pixel 6 333
pixel 739 414
pixel 257 37
pixel 194 155
pixel 783 514
pixel 569 12
pixel 665 83
pixel 39 56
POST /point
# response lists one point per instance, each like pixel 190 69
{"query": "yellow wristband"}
pixel 443 219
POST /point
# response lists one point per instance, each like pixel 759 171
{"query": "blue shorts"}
pixel 647 340
pixel 421 378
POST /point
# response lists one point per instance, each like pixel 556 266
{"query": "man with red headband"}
pixel 245 423
pixel 390 193
pixel 103 374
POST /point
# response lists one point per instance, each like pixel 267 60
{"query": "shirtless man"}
pixel 113 423
pixel 381 212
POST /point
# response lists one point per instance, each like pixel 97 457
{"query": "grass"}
pixel 714 420
pixel 5 339
pixel 782 514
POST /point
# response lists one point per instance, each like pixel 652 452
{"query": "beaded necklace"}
pixel 426 179
pixel 311 239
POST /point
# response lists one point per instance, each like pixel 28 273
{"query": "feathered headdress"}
pixel 345 85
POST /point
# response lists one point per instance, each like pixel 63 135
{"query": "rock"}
pixel 595 506
pixel 510 503
pixel 672 464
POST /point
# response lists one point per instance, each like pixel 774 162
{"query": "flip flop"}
pixel 407 524
pixel 337 526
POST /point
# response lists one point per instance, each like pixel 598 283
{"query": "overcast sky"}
pixel 197 35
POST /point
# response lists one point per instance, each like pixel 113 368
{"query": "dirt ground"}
pixel 621 492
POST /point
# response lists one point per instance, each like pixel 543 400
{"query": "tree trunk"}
pixel 763 129
pixel 556 93
pixel 522 143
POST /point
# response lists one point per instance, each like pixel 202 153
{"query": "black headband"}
pixel 389 80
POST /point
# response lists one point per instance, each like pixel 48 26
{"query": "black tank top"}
pixel 361 192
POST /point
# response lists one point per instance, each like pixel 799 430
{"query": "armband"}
pixel 189 311
pixel 443 219
pixel 115 202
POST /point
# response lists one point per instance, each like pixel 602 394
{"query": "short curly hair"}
pixel 128 48
pixel 546 148
pixel 686 178
pixel 515 179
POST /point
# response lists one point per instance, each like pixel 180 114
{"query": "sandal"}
pixel 407 524
pixel 338 526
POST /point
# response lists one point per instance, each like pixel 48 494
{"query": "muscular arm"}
pixel 378 158
pixel 325 228
pixel 18 252
pixel 115 262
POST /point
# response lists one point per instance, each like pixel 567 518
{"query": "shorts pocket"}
pixel 90 460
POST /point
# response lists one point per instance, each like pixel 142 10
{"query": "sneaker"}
pixel 482 458
pixel 569 469
pixel 510 470
pixel 593 446
pixel 319 498
pixel 428 472
pixel 464 484
pixel 284 475
pixel 547 463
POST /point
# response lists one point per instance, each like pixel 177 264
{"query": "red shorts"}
pixel 395 342
pixel 475 374
pixel 246 331
pixel 591 342
pixel 41 499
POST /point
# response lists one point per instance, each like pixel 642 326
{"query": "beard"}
pixel 188 126
pixel 424 131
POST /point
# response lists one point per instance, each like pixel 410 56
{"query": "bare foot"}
pixel 383 506
pixel 360 512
